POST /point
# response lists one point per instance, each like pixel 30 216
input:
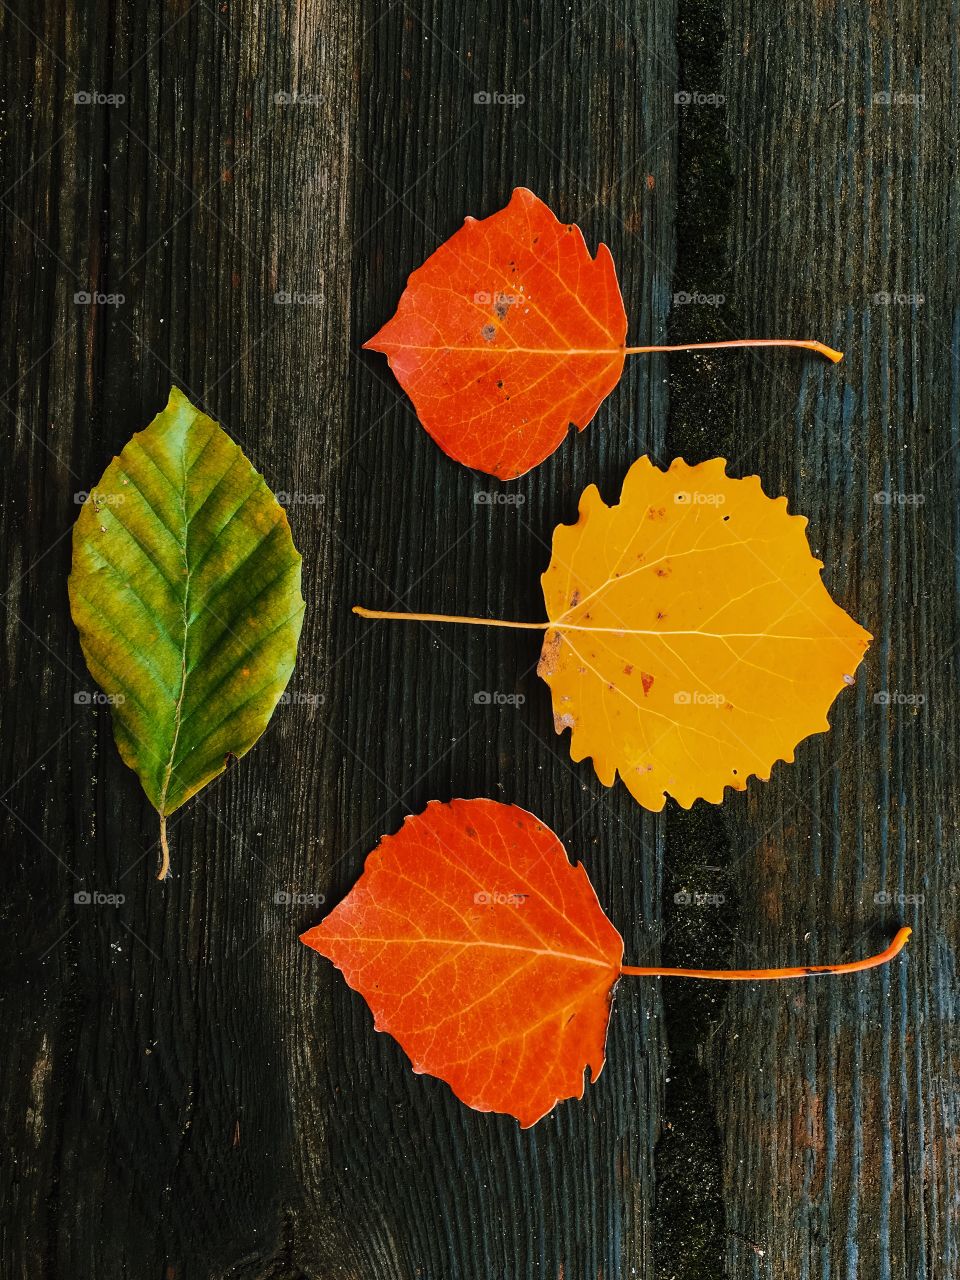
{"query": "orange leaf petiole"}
pixel 451 617
pixel 774 975
pixel 806 344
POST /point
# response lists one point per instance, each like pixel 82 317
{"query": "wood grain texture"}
pixel 431 1189
pixel 148 1093
pixel 189 1094
pixel 837 1101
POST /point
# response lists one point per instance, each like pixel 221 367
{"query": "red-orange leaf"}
pixel 486 955
pixel 509 332
pixel 484 952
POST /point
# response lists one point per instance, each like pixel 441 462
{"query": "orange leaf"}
pixel 484 953
pixel 691 642
pixel 509 332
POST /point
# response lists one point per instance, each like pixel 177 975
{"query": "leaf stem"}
pixel 806 344
pixel 449 617
pixel 164 870
pixel 774 975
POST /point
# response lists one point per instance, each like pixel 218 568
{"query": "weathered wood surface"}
pixel 838 1106
pixel 186 1093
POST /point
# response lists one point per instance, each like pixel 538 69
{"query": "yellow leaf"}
pixel 691 641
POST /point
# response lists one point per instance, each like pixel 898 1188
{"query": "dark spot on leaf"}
pixel 549 656
pixel 488 333
pixel 647 682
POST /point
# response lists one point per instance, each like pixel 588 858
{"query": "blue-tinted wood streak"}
pixel 861 199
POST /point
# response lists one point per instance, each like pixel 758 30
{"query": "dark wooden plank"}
pixel 836 1100
pixel 152 1090
pixel 431 1189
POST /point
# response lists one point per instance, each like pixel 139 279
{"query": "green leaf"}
pixel 185 589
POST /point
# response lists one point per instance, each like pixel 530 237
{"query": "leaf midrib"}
pixel 493 350
pixel 496 946
pixel 178 709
